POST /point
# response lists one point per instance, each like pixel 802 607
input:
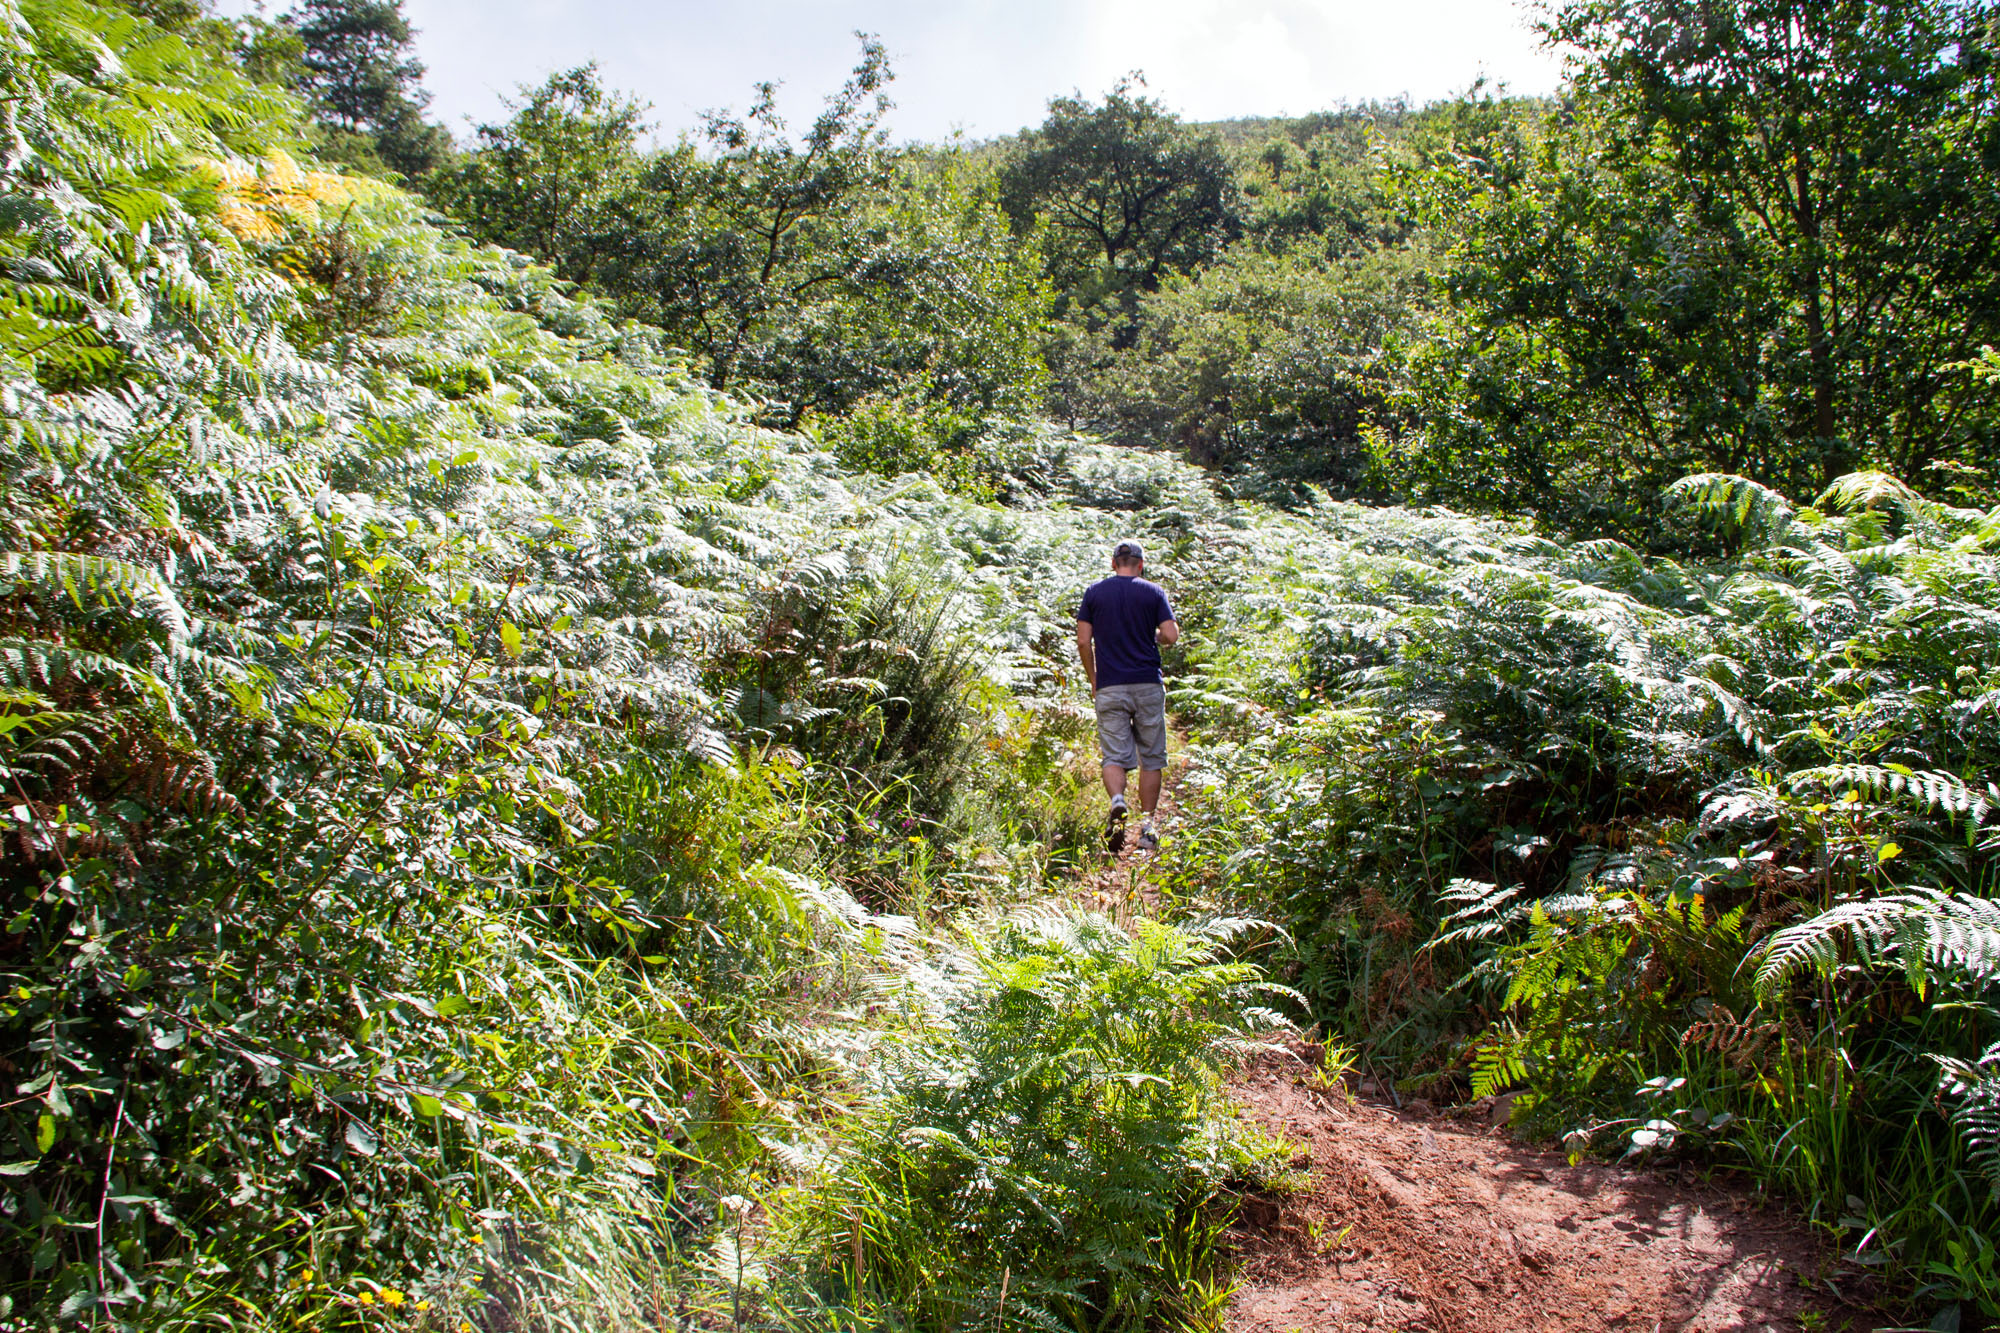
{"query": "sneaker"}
pixel 1149 837
pixel 1114 824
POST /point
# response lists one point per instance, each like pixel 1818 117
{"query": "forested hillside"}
pixel 545 764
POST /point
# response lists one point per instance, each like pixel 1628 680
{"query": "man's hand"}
pixel 1086 653
pixel 1168 632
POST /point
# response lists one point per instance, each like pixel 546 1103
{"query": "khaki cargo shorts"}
pixel 1132 726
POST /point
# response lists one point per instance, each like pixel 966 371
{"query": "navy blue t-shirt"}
pixel 1123 613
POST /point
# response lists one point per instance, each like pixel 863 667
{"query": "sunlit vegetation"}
pixel 1694 857
pixel 469 787
pixel 545 779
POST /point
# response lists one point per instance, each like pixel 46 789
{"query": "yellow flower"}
pixel 391 1297
pixel 366 1298
pixel 423 1306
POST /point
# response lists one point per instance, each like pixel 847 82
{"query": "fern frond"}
pixel 1925 790
pixel 1937 938
pixel 1487 910
pixel 1974 1092
pixel 1737 501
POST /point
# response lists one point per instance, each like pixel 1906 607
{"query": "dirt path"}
pixel 1416 1221
pixel 1413 1221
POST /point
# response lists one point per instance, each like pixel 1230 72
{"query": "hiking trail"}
pixel 1415 1220
pixel 1410 1218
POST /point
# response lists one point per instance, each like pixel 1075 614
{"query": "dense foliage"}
pixel 1128 196
pixel 452 760
pixel 1753 239
pixel 1636 837
pixel 820 272
pixel 356 73
pixel 536 776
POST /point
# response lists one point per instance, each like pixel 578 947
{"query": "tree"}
pixel 1847 140
pixel 1596 331
pixel 823 270
pixel 542 180
pixel 1316 184
pixel 1272 354
pixel 715 245
pixel 1756 236
pixel 1128 195
pixel 814 271
pixel 1271 361
pixel 356 71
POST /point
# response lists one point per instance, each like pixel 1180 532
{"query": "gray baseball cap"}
pixel 1128 550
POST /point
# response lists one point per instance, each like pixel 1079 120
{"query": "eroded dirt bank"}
pixel 1427 1223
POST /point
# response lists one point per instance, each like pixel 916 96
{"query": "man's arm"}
pixel 1169 629
pixel 1086 653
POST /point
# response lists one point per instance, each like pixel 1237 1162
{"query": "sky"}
pixel 981 67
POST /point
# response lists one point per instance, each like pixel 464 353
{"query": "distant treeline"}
pixel 1758 238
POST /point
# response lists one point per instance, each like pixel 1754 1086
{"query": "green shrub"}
pixel 1061 1130
pixel 1533 810
pixel 907 432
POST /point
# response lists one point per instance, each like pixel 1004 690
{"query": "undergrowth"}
pixel 496 839
pixel 474 799
pixel 1693 856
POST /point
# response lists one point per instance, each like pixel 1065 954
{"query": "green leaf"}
pixel 45 1132
pixel 510 638
pixel 430 1108
pixel 17 1168
pixel 362 1139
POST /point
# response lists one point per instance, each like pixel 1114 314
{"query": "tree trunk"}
pixel 1820 349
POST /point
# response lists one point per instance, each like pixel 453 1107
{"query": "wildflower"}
pixel 391 1297
pixel 423 1306
pixel 365 1298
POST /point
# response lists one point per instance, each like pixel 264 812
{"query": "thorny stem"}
pixel 104 1197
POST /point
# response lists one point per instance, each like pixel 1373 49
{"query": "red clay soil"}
pixel 1414 1221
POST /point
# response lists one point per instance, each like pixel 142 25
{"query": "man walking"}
pixel 1119 630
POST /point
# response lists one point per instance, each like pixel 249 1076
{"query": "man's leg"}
pixel 1149 734
pixel 1114 781
pixel 1114 739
